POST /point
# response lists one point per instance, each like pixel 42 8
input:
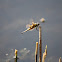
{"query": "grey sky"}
pixel 15 14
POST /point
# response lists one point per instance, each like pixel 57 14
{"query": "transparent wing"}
pixel 28 25
pixel 31 21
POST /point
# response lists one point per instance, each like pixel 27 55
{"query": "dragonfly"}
pixel 31 26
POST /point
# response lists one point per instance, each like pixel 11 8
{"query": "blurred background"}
pixel 16 14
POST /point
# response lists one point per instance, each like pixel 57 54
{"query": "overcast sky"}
pixel 16 14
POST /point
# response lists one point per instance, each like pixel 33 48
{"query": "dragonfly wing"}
pixel 28 25
pixel 31 21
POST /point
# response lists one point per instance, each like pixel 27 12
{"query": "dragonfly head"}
pixel 38 24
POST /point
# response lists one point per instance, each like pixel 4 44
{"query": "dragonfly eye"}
pixel 38 24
